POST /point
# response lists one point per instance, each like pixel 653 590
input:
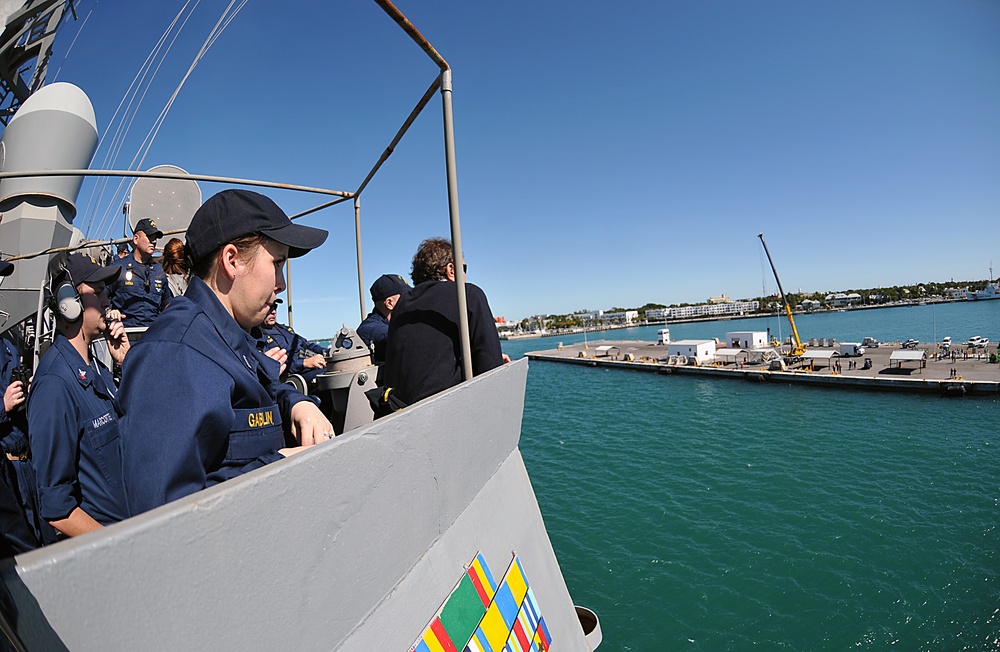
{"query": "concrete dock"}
pixel 965 375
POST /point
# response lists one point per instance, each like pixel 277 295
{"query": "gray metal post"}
pixel 288 293
pixel 357 238
pixel 456 225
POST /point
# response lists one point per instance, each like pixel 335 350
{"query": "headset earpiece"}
pixel 65 299
pixel 68 302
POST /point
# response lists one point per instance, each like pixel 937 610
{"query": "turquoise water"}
pixel 697 514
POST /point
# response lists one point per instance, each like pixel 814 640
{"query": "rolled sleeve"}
pixel 54 449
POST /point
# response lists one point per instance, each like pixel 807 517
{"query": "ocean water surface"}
pixel 704 514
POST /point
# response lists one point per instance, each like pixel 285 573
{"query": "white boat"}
pixel 991 291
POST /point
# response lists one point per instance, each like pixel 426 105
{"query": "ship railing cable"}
pixel 127 109
pixel 228 14
pixel 73 42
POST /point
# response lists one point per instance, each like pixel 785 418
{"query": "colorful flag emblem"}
pixel 482 616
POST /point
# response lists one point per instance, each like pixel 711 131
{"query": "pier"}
pixel 966 375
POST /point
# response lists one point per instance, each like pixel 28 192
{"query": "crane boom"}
pixel 799 348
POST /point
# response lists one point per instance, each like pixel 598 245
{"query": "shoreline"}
pixel 708 318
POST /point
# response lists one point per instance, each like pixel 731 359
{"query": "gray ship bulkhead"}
pixel 352 545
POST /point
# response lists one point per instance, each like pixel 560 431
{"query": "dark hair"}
pixel 247 246
pixel 173 257
pixel 430 263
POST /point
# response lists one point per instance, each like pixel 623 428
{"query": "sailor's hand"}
pixel 506 358
pixel 309 425
pixel 279 354
pixel 14 396
pixel 118 343
pixel 115 315
pixel 315 362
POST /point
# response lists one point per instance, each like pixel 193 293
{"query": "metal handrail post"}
pixel 452 172
pixel 357 238
pixel 288 294
pixel 456 224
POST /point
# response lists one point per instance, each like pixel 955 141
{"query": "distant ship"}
pixel 991 291
pixel 400 534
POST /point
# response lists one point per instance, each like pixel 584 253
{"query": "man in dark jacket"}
pixel 424 353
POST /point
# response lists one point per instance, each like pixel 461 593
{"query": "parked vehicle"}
pixel 851 349
pixel 870 342
pixel 910 343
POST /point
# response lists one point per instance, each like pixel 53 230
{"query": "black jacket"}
pixel 424 352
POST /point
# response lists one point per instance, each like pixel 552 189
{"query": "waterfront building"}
pixel 746 339
pixel 617 317
pixel 699 351
pixel 703 310
pixel 840 299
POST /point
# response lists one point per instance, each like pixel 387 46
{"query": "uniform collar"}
pixel 83 372
pixel 242 343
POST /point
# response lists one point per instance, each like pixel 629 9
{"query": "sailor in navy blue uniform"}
pixel 12 438
pixel 141 292
pixel 74 415
pixel 303 357
pixel 202 403
pixel 15 534
pixel 374 330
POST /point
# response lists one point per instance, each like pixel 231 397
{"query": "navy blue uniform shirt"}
pixel 375 329
pixel 12 438
pixel 16 535
pixel 424 353
pixel 74 418
pixel 202 404
pixel 298 347
pixel 140 293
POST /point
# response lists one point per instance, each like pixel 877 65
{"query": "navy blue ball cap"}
pixel 388 285
pixel 6 268
pixel 232 214
pixel 81 268
pixel 148 227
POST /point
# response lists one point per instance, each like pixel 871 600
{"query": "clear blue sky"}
pixel 610 154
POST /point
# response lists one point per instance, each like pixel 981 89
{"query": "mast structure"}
pixel 25 47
